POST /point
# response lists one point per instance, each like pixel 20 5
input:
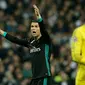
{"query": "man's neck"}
pixel 38 37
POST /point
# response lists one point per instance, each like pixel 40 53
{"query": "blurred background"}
pixel 61 18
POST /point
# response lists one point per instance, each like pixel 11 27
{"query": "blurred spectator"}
pixel 11 25
pixel 2 70
pixel 9 79
pixel 27 70
pixel 3 4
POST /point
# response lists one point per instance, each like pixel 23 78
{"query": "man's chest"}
pixel 37 46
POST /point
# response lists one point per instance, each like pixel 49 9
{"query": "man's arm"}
pixel 76 47
pixel 44 33
pixel 14 39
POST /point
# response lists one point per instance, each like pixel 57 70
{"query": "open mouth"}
pixel 34 32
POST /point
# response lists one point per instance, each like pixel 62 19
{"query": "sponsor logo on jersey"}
pixel 35 50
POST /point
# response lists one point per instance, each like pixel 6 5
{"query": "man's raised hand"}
pixel 37 13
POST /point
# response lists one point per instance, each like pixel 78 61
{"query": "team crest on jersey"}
pixel 74 39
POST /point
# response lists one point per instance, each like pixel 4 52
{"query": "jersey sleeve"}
pixel 76 47
pixel 16 40
pixel 44 33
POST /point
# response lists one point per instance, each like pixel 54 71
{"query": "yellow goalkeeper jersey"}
pixel 78 53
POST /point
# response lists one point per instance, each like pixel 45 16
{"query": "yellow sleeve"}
pixel 76 47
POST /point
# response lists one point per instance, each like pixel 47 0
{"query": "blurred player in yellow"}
pixel 78 53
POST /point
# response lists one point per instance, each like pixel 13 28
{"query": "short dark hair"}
pixel 34 21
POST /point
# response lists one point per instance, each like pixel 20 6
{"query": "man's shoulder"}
pixel 79 31
pixel 80 28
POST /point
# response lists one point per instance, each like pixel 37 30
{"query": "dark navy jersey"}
pixel 39 50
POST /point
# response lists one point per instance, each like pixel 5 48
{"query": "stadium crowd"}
pixel 61 18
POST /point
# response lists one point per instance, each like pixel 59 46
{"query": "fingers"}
pixel 35 7
pixel 36 10
pixel 37 13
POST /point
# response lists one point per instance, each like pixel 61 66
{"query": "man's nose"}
pixel 33 28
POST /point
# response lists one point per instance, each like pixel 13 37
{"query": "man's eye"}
pixel 36 26
pixel 32 26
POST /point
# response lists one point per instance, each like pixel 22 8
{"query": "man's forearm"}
pixel 14 39
pixel 39 17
